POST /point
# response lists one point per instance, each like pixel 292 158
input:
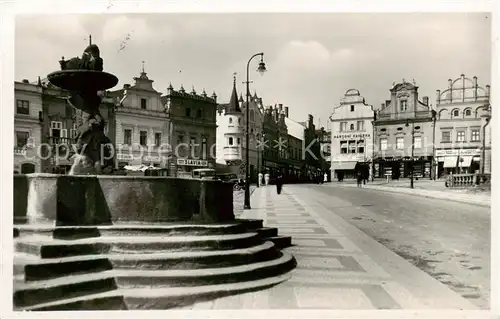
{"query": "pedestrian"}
pixel 279 183
pixel 360 179
pixel 261 176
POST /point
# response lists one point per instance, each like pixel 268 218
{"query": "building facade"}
pixel 192 130
pixel 352 137
pixel 463 136
pixel 294 163
pixel 404 126
pixel 325 141
pixel 27 127
pixel 141 125
pixel 256 118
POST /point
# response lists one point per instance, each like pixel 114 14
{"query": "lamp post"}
pixel 261 69
pixel 412 149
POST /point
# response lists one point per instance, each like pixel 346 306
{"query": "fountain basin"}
pixel 76 80
pixel 106 199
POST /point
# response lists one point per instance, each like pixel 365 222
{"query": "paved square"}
pixel 337 298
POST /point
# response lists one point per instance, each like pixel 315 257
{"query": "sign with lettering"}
pixel 352 135
pixel 192 162
pixel 125 157
pixel 155 159
pixel 457 152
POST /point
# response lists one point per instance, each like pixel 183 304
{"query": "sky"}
pixel 312 58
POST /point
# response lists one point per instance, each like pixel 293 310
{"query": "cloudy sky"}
pixel 312 59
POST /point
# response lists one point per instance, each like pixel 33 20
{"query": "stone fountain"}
pixel 94 241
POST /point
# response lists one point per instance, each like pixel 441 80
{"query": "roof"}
pixel 295 129
pixel 233 106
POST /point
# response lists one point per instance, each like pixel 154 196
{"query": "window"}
pixel 343 126
pixel 180 138
pixel 417 142
pixel 383 130
pixel 475 136
pixel 352 127
pixel 468 112
pixel 230 141
pixel 55 129
pixel 446 136
pixel 143 104
pixel 192 143
pixel 127 137
pixel 252 115
pixel 198 113
pixel 400 143
pixel 74 131
pixel 23 107
pixel 352 108
pixel 239 121
pixel 343 147
pixel 461 136
pixel 230 121
pixel 361 125
pixel 143 138
pixel 403 105
pixel 238 140
pixel 361 146
pixel 157 139
pixel 22 138
pixel 455 113
pixel 417 127
pixel 352 147
pixel 383 144
pixel 188 112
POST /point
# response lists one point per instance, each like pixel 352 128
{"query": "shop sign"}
pixel 155 159
pixel 125 157
pixel 457 152
pixel 352 135
pixel 191 162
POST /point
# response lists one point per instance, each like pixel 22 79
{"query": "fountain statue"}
pixel 84 79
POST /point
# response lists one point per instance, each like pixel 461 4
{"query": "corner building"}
pixel 351 136
pixel 463 131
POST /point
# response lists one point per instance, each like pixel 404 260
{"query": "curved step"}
pixel 195 280
pixel 47 247
pixel 35 268
pixel 130 229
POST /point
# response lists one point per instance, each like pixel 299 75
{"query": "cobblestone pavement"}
pixel 339 266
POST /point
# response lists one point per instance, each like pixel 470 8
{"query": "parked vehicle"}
pixel 204 173
pixel 240 184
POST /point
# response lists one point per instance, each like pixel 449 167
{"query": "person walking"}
pixel 266 178
pixel 279 183
pixel 260 177
pixel 360 179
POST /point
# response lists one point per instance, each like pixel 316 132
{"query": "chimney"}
pixel 426 100
pixel 286 111
pixel 26 81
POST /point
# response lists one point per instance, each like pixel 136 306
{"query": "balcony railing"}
pixel 468 180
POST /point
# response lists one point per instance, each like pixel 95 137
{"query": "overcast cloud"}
pixel 312 59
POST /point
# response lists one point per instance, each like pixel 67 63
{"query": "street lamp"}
pixel 412 149
pixel 261 69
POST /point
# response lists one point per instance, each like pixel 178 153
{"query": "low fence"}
pixel 468 180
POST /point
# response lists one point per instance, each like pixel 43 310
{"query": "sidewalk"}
pixel 339 266
pixel 426 188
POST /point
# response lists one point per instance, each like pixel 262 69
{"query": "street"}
pixel 448 240
pixel 443 248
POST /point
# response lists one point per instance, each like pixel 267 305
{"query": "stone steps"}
pixel 47 247
pixel 35 268
pixel 151 298
pixel 40 292
pixel 109 267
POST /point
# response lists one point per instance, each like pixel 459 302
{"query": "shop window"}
pixel 383 144
pixel 417 142
pixel 361 146
pixel 143 138
pixel 343 147
pixel 475 137
pixel 445 137
pixel 461 136
pixel 400 143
